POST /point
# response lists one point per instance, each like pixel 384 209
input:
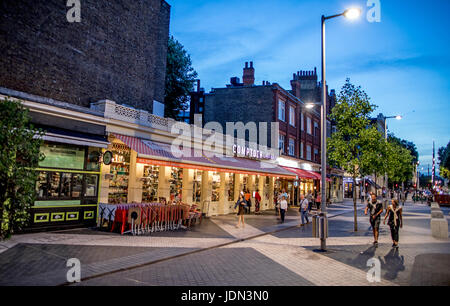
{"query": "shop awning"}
pixel 302 174
pixel 156 153
pixel 76 138
pixel 305 174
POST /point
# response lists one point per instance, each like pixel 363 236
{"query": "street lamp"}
pixel 351 13
pixel 398 117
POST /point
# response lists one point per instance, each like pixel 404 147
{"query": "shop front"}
pixel 68 181
pixel 144 171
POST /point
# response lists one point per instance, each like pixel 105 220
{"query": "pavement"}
pixel 215 252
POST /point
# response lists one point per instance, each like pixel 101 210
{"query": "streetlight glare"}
pixel 352 13
pixel 309 105
pixel 398 117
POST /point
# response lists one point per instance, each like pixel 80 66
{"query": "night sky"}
pixel 402 62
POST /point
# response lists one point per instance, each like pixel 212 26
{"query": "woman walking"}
pixel 240 204
pixel 395 222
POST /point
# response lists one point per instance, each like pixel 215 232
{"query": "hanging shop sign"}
pixel 107 157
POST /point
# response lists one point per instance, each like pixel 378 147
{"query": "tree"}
pixel 444 161
pixel 410 146
pixel 180 77
pixel 350 146
pixel 19 155
pixel 399 163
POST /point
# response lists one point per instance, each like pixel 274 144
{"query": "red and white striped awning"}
pixel 150 152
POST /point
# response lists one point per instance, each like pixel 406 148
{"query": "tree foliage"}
pixel 180 77
pixel 19 155
pixel 400 165
pixel 409 145
pixel 352 146
pixel 444 161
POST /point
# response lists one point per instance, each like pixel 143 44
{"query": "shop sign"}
pixel 62 156
pixel 244 151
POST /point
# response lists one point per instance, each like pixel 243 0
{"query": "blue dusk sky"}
pixel 402 62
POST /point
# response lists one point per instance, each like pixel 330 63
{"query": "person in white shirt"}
pixel 304 209
pixel 283 208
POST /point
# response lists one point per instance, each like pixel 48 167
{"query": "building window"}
pixel 281 110
pixel 308 152
pixel 301 150
pixel 292 115
pixel 291 147
pixel 316 155
pixel 308 125
pixel 281 143
pixel 301 123
pixel 316 128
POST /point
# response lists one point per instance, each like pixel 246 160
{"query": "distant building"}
pixel 299 128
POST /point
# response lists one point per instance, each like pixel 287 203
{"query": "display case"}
pixel 215 187
pixel 230 187
pixel 119 169
pixel 197 186
pixel 176 184
pixel 150 184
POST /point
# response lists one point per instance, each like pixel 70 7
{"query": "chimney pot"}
pixel 246 64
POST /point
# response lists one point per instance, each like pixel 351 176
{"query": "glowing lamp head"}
pixel 352 13
pixel 309 105
pixel 398 117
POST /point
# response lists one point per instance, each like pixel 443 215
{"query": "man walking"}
pixel 283 208
pixel 304 209
pixel 375 208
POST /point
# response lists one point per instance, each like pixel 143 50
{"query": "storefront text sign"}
pixel 251 153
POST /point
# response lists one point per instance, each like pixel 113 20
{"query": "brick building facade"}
pixel 118 51
pixel 247 102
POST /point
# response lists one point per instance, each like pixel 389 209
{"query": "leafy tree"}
pixel 407 145
pixel 444 161
pixel 399 163
pixel 19 155
pixel 350 147
pixel 180 77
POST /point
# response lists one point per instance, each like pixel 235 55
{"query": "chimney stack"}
pixel 249 75
pixel 296 85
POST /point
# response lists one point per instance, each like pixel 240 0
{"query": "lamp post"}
pixel 398 117
pixel 352 13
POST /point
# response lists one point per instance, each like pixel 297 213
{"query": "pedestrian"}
pixel 257 201
pixel 240 204
pixel 375 208
pixel 310 200
pixel 283 208
pixel 304 209
pixel 318 201
pixel 395 221
pixel 248 200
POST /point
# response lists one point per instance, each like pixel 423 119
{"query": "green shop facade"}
pixel 68 178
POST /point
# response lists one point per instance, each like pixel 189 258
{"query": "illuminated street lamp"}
pixel 398 117
pixel 351 13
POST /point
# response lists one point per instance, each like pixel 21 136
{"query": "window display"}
pixel 150 184
pixel 215 187
pixel 230 187
pixel 91 185
pixel 176 183
pixel 119 168
pixel 197 188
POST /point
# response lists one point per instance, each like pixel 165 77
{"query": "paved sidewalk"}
pixel 214 253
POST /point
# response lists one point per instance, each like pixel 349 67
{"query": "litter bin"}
pixel 319 226
pixel 315 226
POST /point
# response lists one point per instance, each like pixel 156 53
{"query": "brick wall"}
pixel 240 104
pixel 117 52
